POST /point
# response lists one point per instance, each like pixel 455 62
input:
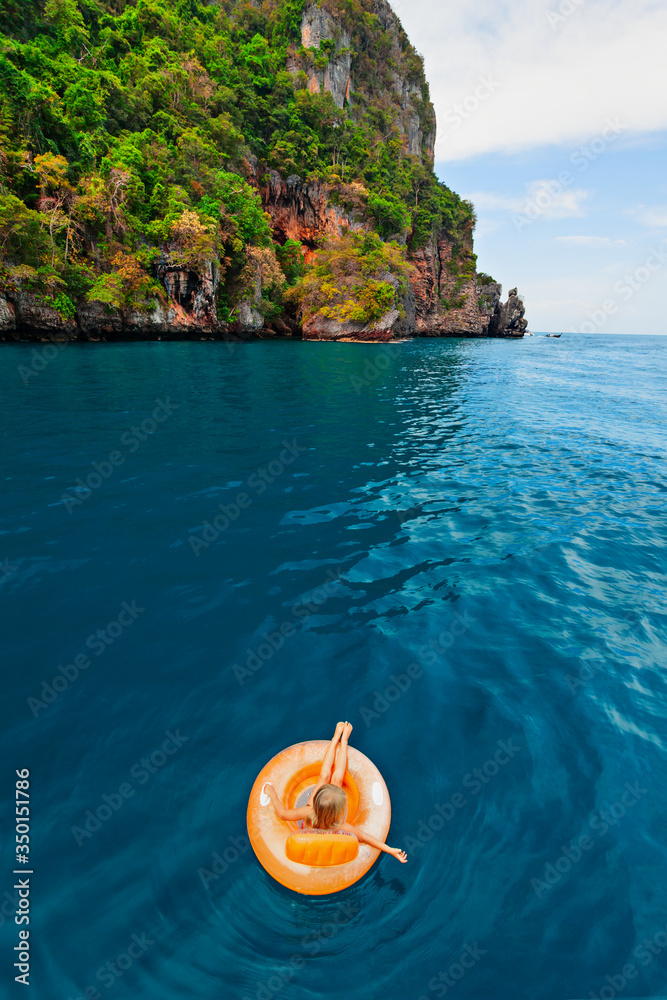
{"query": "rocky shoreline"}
pixel 443 299
pixel 25 318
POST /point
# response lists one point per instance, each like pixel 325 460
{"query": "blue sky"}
pixel 552 119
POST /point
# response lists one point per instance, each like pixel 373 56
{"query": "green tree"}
pixel 69 24
pixel 391 215
pixel 354 277
pixel 195 244
pixel 127 287
pixel 55 202
pixel 291 260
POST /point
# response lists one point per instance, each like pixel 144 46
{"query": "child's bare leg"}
pixel 341 759
pixel 329 760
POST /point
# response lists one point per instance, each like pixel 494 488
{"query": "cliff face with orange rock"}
pixel 447 296
pixel 304 212
pixel 453 300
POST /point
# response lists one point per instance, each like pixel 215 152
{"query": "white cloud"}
pixel 591 241
pixel 555 201
pixel 485 201
pixel 654 217
pixel 546 82
pixel 545 199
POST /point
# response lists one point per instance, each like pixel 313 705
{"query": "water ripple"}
pixel 466 558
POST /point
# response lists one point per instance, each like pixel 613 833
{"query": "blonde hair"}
pixel 329 805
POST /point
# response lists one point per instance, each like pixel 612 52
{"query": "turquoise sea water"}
pixel 208 553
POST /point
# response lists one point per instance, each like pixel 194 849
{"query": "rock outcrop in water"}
pixel 508 319
pixel 369 110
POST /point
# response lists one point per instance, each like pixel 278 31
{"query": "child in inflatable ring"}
pixel 326 808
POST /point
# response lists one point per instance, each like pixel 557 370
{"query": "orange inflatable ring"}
pixel 311 863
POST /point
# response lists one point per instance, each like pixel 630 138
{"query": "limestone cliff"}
pixel 305 212
pixel 447 297
pixel 508 318
pixel 378 132
pixel 334 59
pixel 334 77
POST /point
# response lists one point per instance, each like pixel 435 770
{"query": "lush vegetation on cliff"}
pixel 355 278
pixel 134 132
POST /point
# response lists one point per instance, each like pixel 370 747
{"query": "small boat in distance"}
pixel 554 334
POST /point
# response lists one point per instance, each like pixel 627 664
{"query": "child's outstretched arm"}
pixel 365 838
pixel 281 811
